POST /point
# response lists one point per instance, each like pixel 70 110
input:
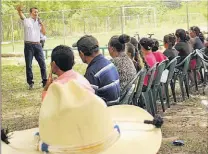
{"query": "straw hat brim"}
pixel 135 135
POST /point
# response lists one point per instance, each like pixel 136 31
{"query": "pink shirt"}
pixel 72 75
pixel 159 56
pixel 151 61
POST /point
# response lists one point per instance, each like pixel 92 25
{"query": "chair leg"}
pixel 186 80
pixel 172 85
pixel 195 80
pixel 180 79
pixel 145 98
pixel 152 104
pixel 161 98
pixel 167 95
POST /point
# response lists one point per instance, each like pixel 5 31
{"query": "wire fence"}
pixel 64 27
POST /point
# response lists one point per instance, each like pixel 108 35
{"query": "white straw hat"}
pixel 75 121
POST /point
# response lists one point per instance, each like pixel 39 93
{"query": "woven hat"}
pixel 75 121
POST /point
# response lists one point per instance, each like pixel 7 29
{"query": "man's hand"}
pixel 19 8
pixel 49 81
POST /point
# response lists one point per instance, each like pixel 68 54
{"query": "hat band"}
pixel 91 148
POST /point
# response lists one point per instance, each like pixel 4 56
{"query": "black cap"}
pixel 87 44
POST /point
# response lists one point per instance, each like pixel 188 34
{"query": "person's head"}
pixel 146 44
pixel 62 59
pixel 34 12
pixel 130 50
pixel 169 41
pixel 117 43
pixel 88 48
pixel 195 31
pixel 156 45
pixel 181 35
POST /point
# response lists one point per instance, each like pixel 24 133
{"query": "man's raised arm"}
pixel 19 9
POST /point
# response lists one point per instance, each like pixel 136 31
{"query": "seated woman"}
pixel 182 45
pixel 197 38
pixel 169 42
pixel 131 51
pixel 159 56
pixel 123 63
pixel 148 57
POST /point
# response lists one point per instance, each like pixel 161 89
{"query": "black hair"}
pixel 33 8
pixel 63 56
pixel 198 32
pixel 181 33
pixel 118 42
pixel 170 39
pixel 146 43
pixel 131 49
pixel 156 45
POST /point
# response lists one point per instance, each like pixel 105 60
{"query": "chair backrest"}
pixel 140 82
pixel 204 61
pixel 124 92
pixel 185 63
pixel 151 75
pixel 171 67
pixel 128 95
pixel 159 70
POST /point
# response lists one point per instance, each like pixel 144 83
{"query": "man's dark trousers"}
pixel 35 50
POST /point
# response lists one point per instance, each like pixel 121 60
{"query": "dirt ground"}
pixel 187 121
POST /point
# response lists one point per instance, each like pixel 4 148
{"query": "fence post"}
pixel 187 15
pixel 122 19
pixel 64 30
pixel 12 23
pixel 155 18
pixel 138 21
pixel 84 26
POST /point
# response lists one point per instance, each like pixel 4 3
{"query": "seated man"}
pixel 101 73
pixel 62 61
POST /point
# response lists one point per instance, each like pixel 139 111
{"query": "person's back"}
pixel 149 58
pixel 169 42
pixel 104 78
pixel 126 69
pixel 159 56
pixel 101 73
pixel 123 63
pixel 183 47
pixel 197 38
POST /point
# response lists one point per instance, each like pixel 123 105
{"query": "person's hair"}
pixel 170 39
pixel 63 56
pixel 118 42
pixel 33 8
pixel 198 32
pixel 146 43
pixel 130 48
pixel 156 45
pixel 181 33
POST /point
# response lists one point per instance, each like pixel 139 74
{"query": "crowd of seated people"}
pixel 128 56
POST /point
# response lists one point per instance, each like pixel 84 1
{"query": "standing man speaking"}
pixel 32 47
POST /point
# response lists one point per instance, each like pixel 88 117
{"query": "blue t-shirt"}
pixel 104 78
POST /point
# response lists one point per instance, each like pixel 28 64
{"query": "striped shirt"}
pixel 31 30
pixel 104 79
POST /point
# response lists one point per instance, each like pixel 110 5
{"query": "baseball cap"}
pixel 87 44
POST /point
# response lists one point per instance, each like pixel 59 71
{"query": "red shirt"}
pixel 159 56
pixel 151 61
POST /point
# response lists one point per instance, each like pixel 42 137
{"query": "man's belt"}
pixel 32 42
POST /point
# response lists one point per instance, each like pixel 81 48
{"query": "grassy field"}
pixel 20 109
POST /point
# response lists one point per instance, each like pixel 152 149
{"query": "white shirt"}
pixel 31 30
